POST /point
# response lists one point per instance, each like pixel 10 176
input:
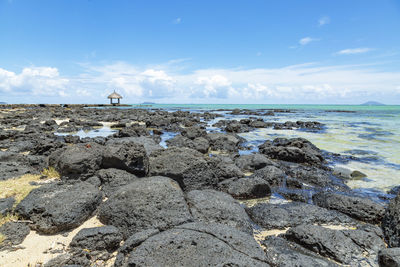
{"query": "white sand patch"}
pixel 33 249
pixel 59 121
pixel 338 227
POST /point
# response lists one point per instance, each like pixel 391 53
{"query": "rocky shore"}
pixel 138 198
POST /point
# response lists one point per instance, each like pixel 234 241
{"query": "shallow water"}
pixel 371 134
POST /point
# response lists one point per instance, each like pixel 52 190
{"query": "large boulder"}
pixel 274 176
pixel 113 179
pixel 57 207
pixel 280 216
pixel 224 168
pixel 130 157
pixel 391 222
pixel 186 166
pixel 248 188
pixel 362 209
pixel 218 207
pixel 77 161
pixel 195 244
pixel 154 202
pixel 354 247
pixel 297 150
pixel 315 177
pixel 224 142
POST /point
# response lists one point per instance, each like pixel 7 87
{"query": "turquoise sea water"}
pixel 370 134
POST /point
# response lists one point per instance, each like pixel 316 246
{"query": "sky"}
pixel 236 51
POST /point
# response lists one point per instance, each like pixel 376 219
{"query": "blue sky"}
pixel 76 51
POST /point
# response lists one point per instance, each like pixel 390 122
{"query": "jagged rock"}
pixel 213 206
pixel 149 143
pixel 274 176
pixel 253 162
pixel 248 188
pixel 14 233
pixel 58 207
pixel 344 246
pixel 281 252
pixel 14 165
pixel 186 166
pixel 194 132
pixel 297 150
pixel 113 179
pixel 224 142
pixel 391 222
pixel 130 157
pixel 280 216
pixel 154 202
pixel 132 242
pixel 223 168
pixel 362 209
pixel 199 143
pixel 97 238
pixel 77 161
pixel 199 244
pixel 6 205
pixel 315 177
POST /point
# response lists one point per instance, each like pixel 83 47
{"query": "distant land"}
pixel 373 103
pixel 2 103
pixel 148 103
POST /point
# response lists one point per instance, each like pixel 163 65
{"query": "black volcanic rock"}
pixel 154 202
pixel 362 209
pixel 297 150
pixel 213 206
pixel 280 216
pixel 391 222
pixel 59 207
pixel 196 244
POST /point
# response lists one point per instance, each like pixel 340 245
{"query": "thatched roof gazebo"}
pixel 114 96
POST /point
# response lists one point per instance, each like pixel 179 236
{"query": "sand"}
pixel 33 249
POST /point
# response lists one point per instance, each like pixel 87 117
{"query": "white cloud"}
pixel 324 20
pixel 212 86
pixel 352 51
pixel 306 40
pixel 302 83
pixel 33 80
pixel 177 21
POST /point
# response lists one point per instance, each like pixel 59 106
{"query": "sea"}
pixel 366 137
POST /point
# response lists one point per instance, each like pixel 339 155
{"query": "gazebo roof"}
pixel 114 96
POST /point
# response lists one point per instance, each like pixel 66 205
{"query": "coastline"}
pixel 209 161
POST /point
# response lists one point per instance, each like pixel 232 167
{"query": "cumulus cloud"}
pixel 303 83
pixel 324 20
pixel 33 80
pixel 306 40
pixel 212 86
pixel 351 51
